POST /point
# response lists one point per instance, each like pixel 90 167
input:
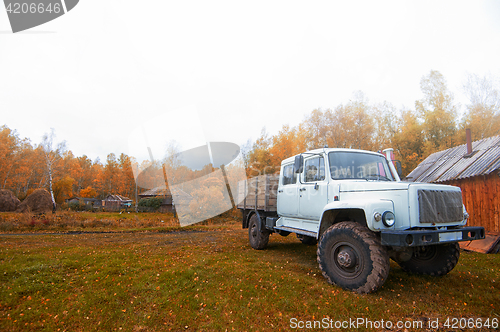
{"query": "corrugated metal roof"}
pixel 496 164
pixel 158 191
pixel 424 166
pixel 430 173
pixel 117 198
pixel 453 164
pixel 447 168
pixel 461 165
pixel 163 191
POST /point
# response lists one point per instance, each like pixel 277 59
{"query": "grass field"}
pixel 151 275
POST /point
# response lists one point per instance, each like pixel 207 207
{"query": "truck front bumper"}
pixel 416 238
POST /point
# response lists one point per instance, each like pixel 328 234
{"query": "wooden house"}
pixel 169 199
pixel 475 168
pixel 116 202
pixel 88 202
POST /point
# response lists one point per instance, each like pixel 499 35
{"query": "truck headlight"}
pixel 466 215
pixel 388 219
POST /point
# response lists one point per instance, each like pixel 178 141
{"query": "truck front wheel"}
pixel 352 257
pixel 258 239
pixel 435 260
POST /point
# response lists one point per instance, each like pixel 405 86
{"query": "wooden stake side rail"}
pixel 258 193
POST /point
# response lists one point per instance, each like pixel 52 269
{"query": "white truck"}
pixel 353 204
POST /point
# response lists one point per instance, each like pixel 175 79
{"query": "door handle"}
pixel 280 191
pixel 302 189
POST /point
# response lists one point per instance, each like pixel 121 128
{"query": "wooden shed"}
pixel 164 194
pixel 475 168
pixel 90 203
pixel 169 199
pixel 116 202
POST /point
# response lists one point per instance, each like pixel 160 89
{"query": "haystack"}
pixel 8 202
pixel 38 201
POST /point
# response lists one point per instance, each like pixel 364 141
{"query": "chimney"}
pixel 469 141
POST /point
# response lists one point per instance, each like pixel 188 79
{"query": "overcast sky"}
pixel 120 75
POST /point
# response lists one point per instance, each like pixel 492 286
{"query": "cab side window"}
pixel 314 169
pixel 288 177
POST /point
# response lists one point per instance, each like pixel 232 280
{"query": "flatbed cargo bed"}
pixel 258 193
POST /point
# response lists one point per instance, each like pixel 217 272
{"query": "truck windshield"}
pixel 358 165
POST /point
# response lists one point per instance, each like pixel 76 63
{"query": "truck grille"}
pixel 440 206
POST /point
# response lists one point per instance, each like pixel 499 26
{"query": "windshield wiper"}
pixel 378 177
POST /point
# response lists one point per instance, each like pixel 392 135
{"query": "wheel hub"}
pixel 346 258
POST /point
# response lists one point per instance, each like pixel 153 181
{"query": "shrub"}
pixel 153 202
pixel 76 206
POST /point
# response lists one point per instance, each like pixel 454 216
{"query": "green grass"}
pixel 207 278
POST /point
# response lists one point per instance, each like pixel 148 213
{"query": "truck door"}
pixel 313 188
pixel 287 192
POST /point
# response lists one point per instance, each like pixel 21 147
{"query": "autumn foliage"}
pixel 437 122
pixel 23 169
pixel 432 126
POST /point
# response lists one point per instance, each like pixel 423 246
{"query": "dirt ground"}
pixel 175 239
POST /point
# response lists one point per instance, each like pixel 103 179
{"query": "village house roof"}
pixel 158 191
pixel 162 191
pixel 85 199
pixel 456 164
pixel 118 198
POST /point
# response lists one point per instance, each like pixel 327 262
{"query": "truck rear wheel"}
pixel 435 260
pixel 352 257
pixel 258 239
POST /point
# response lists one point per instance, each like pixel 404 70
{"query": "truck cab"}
pixel 320 181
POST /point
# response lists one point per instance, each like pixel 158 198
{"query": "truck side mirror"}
pixel 399 168
pixel 297 166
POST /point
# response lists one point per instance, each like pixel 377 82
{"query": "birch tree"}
pixel 51 154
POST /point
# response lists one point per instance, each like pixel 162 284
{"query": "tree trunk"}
pixel 49 167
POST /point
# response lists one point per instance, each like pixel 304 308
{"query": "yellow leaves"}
pixel 88 192
pixel 63 189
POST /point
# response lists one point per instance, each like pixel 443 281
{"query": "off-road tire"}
pixel 434 260
pixel 307 240
pixel 258 240
pixel 368 267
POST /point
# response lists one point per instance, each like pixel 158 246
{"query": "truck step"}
pixel 296 230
